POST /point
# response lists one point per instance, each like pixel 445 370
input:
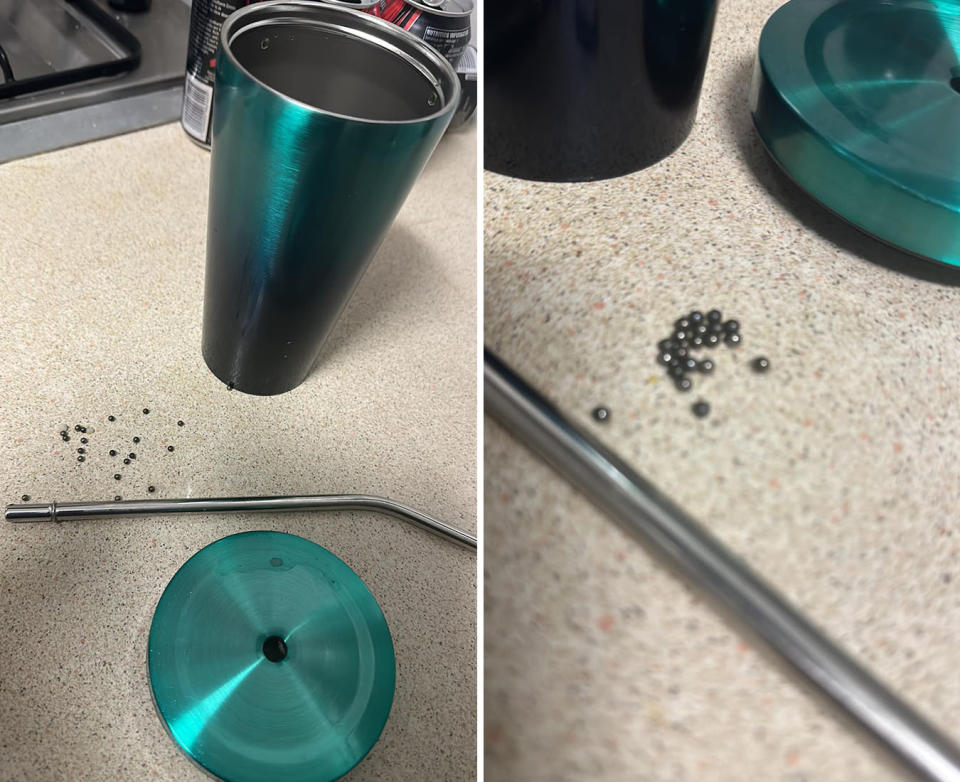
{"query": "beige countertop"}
pixel 835 475
pixel 102 263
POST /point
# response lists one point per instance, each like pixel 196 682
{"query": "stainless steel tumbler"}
pixel 587 89
pixel 323 118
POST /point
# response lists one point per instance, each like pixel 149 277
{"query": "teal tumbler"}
pixel 323 117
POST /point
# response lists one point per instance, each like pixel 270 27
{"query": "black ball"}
pixel 683 383
pixel 760 364
pixel 714 316
pixel 700 409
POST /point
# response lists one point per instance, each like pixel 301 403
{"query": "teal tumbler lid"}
pixel 859 102
pixel 269 659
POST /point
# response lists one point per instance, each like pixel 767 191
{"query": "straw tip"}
pixel 17 513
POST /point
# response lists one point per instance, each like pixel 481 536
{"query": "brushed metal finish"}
pixel 82 511
pixel 643 511
pixel 307 175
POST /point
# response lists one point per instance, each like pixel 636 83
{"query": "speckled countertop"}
pixel 835 475
pixel 102 263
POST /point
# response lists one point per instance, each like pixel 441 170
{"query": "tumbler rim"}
pixel 356 24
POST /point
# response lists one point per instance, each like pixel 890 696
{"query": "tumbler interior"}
pixel 342 62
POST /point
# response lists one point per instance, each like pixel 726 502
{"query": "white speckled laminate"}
pixel 102 264
pixel 835 475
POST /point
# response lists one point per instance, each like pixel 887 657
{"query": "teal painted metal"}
pixel 312 715
pixel 859 102
pixel 301 197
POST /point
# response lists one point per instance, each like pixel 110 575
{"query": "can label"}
pixel 447 34
pixel 206 19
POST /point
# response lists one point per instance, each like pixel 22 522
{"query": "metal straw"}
pixel 649 515
pixel 82 511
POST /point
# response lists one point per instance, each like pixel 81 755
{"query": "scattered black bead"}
pixel 146 411
pixel 111 418
pixel 732 339
pixel 711 340
pixel 81 450
pixel 126 461
pixel 700 409
pixel 681 353
pixel 701 329
pixel 689 364
pixel 676 371
pixel 83 440
pixel 25 498
pixel 81 458
pixel 170 448
pixel 696 342
pixel 731 326
pixel 179 423
pixel 151 489
pixel 696 317
pixel 679 337
pixel 113 452
pixel 63 433
pixel 682 324
pixel 83 429
pixel 117 498
pixel 132 455
pixel 664 346
pixel 760 364
pixel 66 439
pixel 683 383
pixel 714 316
pixel 116 476
pixel 78 428
pixel 715 328
pixel 665 358
pixel 705 366
pixel 136 439
pixel 601 414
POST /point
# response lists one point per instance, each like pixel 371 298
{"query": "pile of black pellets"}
pixel 692 333
pixel 124 456
pixel 695 332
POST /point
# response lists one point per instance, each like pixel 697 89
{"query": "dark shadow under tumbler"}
pixel 323 117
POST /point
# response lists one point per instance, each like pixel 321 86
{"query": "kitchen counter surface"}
pixel 103 254
pixel 835 475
